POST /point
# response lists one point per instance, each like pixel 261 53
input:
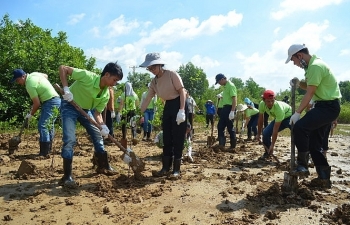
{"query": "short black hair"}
pixel 114 69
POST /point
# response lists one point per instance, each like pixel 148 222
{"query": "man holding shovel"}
pixel 43 95
pixel 90 91
pixel 309 131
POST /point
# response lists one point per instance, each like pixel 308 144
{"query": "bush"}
pixel 344 116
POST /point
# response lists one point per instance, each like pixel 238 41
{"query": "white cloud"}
pixel 205 63
pixel 288 7
pixel 329 38
pixel 344 52
pixel 95 31
pixel 276 31
pixel 119 27
pixel 74 19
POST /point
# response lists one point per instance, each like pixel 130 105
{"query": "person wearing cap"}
pixel 281 112
pixel 251 116
pixel 210 112
pixel 309 131
pixel 43 96
pixel 249 103
pixel 90 92
pixel 148 115
pixel 126 111
pixel 168 86
pixel 227 115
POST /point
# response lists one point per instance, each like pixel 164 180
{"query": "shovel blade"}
pixel 290 183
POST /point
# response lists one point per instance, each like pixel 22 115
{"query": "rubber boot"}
pixel 148 136
pixel 324 176
pixel 67 179
pixel 176 170
pixel 303 165
pixel 103 165
pixel 233 143
pixel 44 148
pixel 166 161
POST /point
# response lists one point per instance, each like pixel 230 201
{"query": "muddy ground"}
pixel 217 188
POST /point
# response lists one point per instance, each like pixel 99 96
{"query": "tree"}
pixel 139 80
pixel 31 48
pixel 194 79
pixel 345 90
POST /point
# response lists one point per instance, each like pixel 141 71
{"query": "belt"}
pixel 327 101
pixel 227 105
pixel 50 99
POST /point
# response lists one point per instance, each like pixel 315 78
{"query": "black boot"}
pixel 67 179
pixel 166 161
pixel 233 142
pixel 44 148
pixel 148 136
pixel 103 165
pixel 324 175
pixel 176 170
pixel 249 137
pixel 303 165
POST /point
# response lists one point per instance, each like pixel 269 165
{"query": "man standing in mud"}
pixel 281 113
pixel 309 131
pixel 227 114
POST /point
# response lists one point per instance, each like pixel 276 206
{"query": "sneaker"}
pixel 264 156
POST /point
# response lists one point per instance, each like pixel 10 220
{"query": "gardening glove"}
pixel 112 114
pixel 243 129
pixel 68 96
pixel 294 118
pixel 180 117
pixel 118 117
pixel 232 115
pixel 104 131
pixel 219 95
pixel 297 82
pixel 28 116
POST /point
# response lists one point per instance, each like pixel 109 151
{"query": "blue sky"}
pixel 240 39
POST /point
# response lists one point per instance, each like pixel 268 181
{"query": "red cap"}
pixel 268 94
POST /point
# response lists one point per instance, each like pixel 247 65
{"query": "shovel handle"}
pixel 292 152
pixel 273 156
pixel 25 123
pixel 77 107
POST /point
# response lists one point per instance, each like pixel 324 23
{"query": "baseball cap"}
pixel 219 77
pixel 294 49
pixel 16 74
pixel 268 94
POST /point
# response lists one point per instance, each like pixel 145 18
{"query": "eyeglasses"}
pixel 151 68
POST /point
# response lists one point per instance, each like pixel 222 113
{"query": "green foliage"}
pixel 344 116
pixel 345 90
pixel 139 80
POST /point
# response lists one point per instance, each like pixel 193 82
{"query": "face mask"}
pixel 303 63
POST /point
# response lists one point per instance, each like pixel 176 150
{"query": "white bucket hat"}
pixel 152 59
pixel 294 49
pixel 241 107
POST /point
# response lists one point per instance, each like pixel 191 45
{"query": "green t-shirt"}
pixel 319 74
pixel 229 92
pixel 129 103
pixel 151 104
pixel 251 112
pixel 280 110
pixel 38 86
pixel 86 90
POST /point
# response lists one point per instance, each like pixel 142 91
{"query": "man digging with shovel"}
pixel 91 93
pixel 309 131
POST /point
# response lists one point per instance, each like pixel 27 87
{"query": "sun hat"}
pixel 152 59
pixel 16 74
pixel 209 100
pixel 219 77
pixel 294 49
pixel 268 94
pixel 241 107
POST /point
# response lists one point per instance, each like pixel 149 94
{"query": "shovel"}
pixel 211 139
pixel 16 140
pixel 290 183
pixel 129 157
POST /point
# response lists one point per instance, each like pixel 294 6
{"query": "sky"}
pixel 241 39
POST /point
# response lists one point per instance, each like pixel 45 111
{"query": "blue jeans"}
pixel 267 133
pixel 70 116
pixel 148 115
pixel 46 123
pixel 251 126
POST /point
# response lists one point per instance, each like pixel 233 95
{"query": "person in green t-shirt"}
pixel 281 112
pixel 91 93
pixel 309 131
pixel 251 116
pixel 43 95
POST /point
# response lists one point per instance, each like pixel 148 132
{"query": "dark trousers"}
pixel 173 134
pixel 251 126
pixel 210 118
pixel 126 119
pixel 326 137
pixel 309 131
pixel 109 122
pixel 224 122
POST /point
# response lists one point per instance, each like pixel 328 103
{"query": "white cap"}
pixel 294 49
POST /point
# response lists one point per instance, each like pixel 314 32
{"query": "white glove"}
pixel 104 130
pixel 232 115
pixel 294 118
pixel 219 95
pixel 118 117
pixel 243 129
pixel 68 96
pixel 112 114
pixel 180 117
pixel 28 116
pixel 296 81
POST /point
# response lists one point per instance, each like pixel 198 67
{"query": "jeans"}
pixel 46 123
pixel 148 115
pixel 309 131
pixel 251 126
pixel 70 116
pixel 173 134
pixel 267 132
